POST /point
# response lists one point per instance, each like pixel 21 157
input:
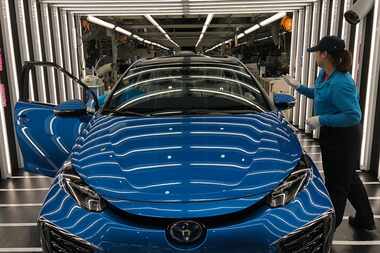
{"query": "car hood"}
pixel 185 159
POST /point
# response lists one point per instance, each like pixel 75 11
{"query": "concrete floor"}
pixel 22 195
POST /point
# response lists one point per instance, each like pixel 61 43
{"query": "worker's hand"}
pixel 313 122
pixel 291 81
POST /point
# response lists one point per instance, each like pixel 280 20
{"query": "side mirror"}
pixel 71 108
pixel 283 101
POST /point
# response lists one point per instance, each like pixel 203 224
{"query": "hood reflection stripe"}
pixel 241 125
pixel 220 165
pixel 149 149
pixel 224 133
pixel 236 148
pixel 145 135
pixel 152 167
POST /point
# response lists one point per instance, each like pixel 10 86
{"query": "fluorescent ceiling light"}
pixel 154 22
pixel 256 27
pixel 252 29
pixel 273 18
pixel 123 31
pixel 100 22
pixel 137 37
pixel 105 24
pixel 265 38
pixel 161 46
pixel 227 41
pixel 204 28
pixel 241 35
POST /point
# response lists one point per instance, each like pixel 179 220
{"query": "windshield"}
pixel 191 89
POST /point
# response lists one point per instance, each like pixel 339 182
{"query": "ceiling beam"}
pixel 189 2
pixel 181 9
pixel 169 12
pixel 175 6
pixel 197 16
pixel 189 26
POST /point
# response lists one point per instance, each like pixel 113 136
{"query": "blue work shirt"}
pixel 336 100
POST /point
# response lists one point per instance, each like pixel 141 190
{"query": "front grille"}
pixel 57 241
pixel 210 222
pixel 313 238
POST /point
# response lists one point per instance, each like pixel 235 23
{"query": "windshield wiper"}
pixel 203 112
pixel 125 113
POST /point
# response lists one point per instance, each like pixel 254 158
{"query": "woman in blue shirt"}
pixel 338 114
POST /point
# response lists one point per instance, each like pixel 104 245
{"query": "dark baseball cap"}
pixel 330 44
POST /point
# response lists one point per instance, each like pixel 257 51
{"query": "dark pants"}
pixel 341 157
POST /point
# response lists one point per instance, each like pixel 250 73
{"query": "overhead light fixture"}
pixel 265 38
pixel 255 27
pixel 268 37
pixel 119 29
pixel 204 29
pixel 240 35
pixel 199 40
pixel 154 22
pixel 208 22
pixel 228 41
pixel 100 22
pixel 137 37
pixel 123 31
pixel 252 29
pixel 275 17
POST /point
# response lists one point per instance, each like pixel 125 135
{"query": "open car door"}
pixel 46 133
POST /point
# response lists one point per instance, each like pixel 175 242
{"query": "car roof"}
pixel 188 58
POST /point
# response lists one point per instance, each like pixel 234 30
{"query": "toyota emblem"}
pixel 186 232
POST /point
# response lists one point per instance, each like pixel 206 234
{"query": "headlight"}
pixel 82 193
pixel 292 185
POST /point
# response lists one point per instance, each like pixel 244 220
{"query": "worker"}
pixel 338 115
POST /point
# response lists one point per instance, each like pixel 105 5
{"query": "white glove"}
pixel 291 82
pixel 313 122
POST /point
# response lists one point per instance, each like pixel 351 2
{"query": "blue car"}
pixel 185 154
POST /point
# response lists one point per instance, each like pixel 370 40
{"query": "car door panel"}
pixel 45 139
pixel 45 135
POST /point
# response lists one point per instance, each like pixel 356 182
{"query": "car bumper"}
pixel 304 225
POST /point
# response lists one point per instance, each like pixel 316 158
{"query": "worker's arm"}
pixel 344 98
pixel 308 92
